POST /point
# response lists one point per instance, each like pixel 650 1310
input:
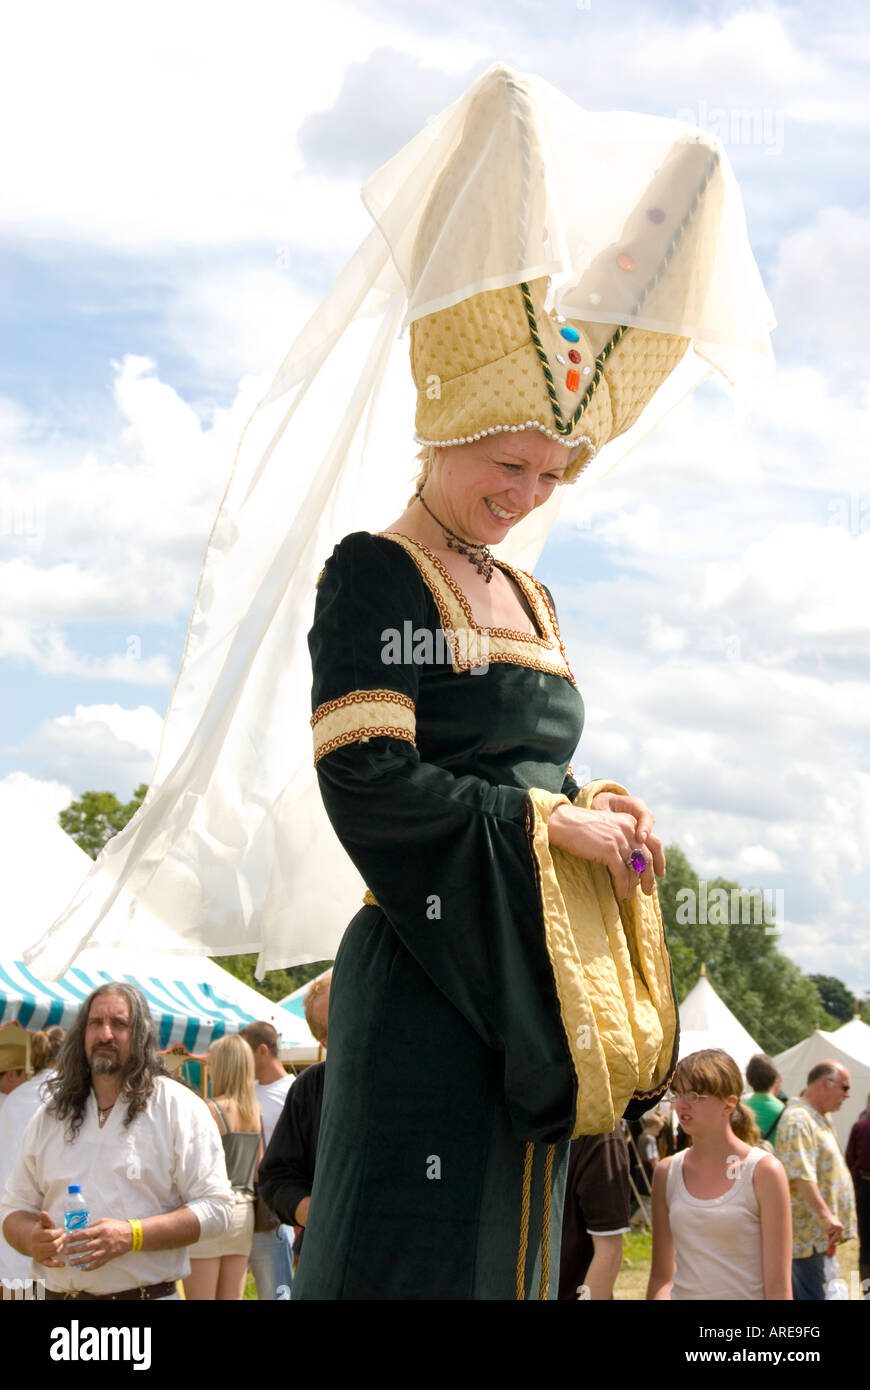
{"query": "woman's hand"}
pixel 608 837
pixel 633 806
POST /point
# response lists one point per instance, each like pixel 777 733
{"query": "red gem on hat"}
pixel 625 261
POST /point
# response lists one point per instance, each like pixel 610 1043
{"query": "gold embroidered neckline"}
pixel 530 593
pixel 542 650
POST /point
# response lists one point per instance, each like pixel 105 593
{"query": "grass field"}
pixel 632 1279
pixel 636 1255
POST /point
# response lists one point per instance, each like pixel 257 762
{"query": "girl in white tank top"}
pixel 721 1209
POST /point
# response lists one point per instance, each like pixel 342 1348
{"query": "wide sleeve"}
pixel 449 858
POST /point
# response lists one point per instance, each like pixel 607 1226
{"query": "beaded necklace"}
pixel 476 552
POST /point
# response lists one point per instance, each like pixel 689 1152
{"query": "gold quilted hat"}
pixel 500 360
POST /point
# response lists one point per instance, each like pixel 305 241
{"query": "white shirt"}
pixel 717 1240
pixel 270 1099
pixel 171 1156
pixel 23 1104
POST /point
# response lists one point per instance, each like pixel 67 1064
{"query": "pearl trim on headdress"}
pixel 513 429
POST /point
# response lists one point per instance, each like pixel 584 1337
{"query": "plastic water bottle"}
pixel 75 1208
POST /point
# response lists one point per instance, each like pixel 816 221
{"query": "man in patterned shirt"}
pixel 822 1196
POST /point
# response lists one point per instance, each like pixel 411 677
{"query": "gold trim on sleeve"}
pixel 361 715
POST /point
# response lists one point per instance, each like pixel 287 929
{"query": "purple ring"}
pixel 637 861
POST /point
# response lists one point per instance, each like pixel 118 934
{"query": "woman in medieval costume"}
pixel 505 987
pixel 567 276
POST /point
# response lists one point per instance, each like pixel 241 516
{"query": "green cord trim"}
pixel 567 427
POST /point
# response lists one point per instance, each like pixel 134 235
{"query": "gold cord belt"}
pixel 522 1253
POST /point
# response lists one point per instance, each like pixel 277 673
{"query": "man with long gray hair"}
pixel 143 1149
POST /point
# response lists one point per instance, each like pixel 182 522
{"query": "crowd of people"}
pixel 119 1182
pixel 750 1198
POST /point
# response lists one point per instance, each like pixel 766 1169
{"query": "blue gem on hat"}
pixel 570 335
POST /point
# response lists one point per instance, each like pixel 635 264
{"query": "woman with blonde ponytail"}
pixel 721 1209
pixel 218 1266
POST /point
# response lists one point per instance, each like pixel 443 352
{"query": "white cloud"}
pixel 179 127
pixel 48 651
pixel 171 127
pixel 752 50
pixel 240 319
pixel 117 532
pixel 821 292
pixel 99 747
pixel 807 580
pixel 50 797
pixel 662 637
pixel 755 858
pixel 356 135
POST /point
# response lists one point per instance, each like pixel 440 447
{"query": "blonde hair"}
pixel 317 990
pixel 427 458
pixel 712 1072
pixel 232 1075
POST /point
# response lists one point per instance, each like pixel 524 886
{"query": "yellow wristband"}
pixel 136 1227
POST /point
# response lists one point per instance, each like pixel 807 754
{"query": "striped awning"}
pixel 186 1013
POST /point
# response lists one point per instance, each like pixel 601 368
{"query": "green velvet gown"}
pixel 447 1051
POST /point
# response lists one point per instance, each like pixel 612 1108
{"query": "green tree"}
pixel 275 984
pixel 98 816
pixel 836 999
pixel 766 991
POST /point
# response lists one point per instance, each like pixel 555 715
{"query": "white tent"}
pixel 191 997
pixel 705 1021
pixel 847 1046
pixel 854 1036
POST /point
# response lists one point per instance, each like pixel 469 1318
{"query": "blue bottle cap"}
pixel 74 1187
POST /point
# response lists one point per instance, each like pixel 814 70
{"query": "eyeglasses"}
pixel 691 1096
pixel 843 1085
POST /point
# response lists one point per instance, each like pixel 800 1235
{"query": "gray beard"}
pixel 105 1065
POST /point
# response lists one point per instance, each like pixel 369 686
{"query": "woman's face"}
pixel 704 1114
pixel 482 490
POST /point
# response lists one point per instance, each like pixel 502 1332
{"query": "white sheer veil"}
pixel 231 850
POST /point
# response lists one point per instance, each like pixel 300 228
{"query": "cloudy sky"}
pixel 182 189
